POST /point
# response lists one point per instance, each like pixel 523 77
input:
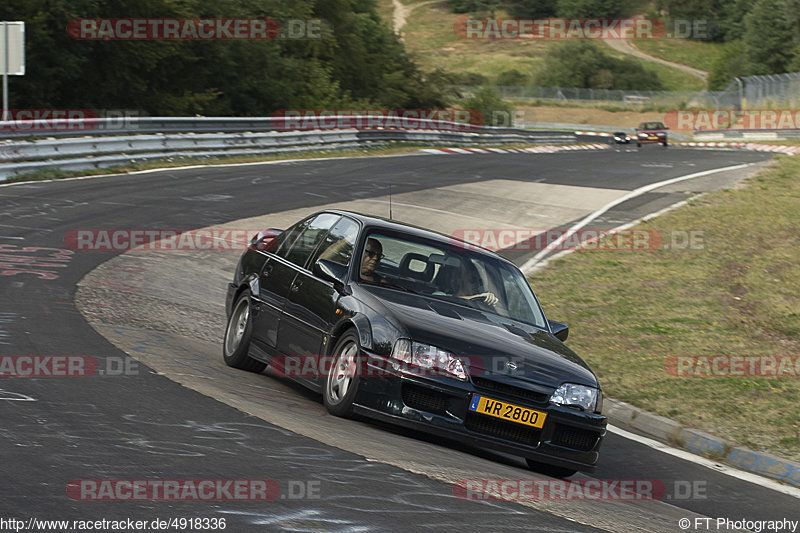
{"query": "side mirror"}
pixel 265 240
pixel 330 271
pixel 560 330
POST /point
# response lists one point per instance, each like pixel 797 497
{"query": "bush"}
pixel 588 8
pixel 513 78
pixel 531 9
pixel 494 111
pixel 582 64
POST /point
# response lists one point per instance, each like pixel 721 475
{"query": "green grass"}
pixel 738 293
pixel 432 40
pixel 697 54
pixel 673 79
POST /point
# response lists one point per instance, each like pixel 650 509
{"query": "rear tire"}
pixel 550 470
pixel 341 384
pixel 236 343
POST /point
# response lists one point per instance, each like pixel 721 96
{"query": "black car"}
pixel 398 323
pixel 620 137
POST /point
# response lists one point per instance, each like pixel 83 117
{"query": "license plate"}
pixel 507 411
pixel 653 138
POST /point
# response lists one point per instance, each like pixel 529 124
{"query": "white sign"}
pixel 12 33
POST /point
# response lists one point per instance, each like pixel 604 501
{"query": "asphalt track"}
pixel 145 426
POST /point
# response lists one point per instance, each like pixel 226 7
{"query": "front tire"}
pixel 549 470
pixel 341 383
pixel 236 343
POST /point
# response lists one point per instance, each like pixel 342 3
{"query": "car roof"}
pixel 376 222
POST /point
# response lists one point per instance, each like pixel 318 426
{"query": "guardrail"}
pixel 747 134
pixel 108 143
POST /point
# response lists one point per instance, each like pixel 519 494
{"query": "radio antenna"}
pixel 390 201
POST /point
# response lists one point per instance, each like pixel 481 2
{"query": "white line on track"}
pixel 717 467
pixel 529 264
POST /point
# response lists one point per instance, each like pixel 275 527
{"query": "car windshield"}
pixel 452 273
pixel 652 126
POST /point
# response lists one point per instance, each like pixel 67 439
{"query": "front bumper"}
pixel 440 406
pixel 652 139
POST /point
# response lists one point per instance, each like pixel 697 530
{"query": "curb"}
pixel 670 432
pixel 788 150
pixel 550 149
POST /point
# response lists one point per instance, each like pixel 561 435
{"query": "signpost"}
pixel 12 56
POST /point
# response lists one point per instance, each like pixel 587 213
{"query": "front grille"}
pixel 424 399
pixel 577 439
pixel 510 390
pixel 504 430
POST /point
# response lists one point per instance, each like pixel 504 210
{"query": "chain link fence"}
pixel 773 91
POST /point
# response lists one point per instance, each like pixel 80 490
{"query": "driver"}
pixel 373 252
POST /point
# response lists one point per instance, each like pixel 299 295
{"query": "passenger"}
pixel 465 283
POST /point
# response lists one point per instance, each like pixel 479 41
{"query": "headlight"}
pixel 642 135
pixel 569 394
pixel 429 358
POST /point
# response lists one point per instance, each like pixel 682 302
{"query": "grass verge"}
pixel 736 292
pixel 697 54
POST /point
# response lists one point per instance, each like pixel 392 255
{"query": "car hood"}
pixel 489 341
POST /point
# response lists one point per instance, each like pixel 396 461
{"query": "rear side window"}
pixel 339 243
pixel 288 237
pixel 313 233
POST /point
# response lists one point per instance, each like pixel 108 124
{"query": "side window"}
pixel 288 237
pixel 310 237
pixel 339 243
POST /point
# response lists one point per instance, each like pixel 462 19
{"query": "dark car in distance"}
pixel 620 137
pixel 397 323
pixel 651 132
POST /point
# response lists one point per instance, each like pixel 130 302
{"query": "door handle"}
pixel 296 285
pixel 268 270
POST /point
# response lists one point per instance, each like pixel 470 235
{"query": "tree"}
pixel 532 9
pixel 582 64
pixel 768 37
pixel 361 63
pixel 588 8
pixel 730 64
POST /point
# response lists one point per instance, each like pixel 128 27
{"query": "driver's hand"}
pixel 487 297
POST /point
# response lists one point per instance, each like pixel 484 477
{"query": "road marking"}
pixel 713 465
pixel 529 264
